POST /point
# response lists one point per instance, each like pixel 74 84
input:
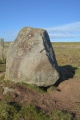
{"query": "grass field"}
pixel 68 54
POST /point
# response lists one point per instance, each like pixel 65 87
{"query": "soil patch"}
pixel 65 97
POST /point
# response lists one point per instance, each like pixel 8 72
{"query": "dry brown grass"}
pixel 68 54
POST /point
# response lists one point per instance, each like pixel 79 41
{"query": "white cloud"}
pixel 65 31
pixel 58 32
pixel 64 35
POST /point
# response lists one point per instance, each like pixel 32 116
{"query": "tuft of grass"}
pixel 34 87
pixel 51 88
pixel 2 78
pixel 2 67
pixel 16 111
pixel 77 72
pixel 2 61
pixel 61 115
pixel 30 112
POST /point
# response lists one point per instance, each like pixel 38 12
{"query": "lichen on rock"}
pixel 31 58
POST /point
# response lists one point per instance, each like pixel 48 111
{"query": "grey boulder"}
pixel 31 58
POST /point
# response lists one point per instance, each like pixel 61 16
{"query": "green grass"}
pixel 33 87
pixel 61 115
pixel 2 66
pixel 51 88
pixel 16 111
pixel 67 53
pixel 2 79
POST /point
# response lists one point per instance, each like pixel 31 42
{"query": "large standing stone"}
pixel 1 48
pixel 31 58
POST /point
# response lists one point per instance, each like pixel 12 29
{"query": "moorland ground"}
pixel 29 102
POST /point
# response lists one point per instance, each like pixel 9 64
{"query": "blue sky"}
pixel 61 18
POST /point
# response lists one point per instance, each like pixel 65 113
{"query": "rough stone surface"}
pixel 31 58
pixel 6 46
pixel 7 90
pixel 1 48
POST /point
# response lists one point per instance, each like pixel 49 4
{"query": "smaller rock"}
pixel 1 48
pixel 7 90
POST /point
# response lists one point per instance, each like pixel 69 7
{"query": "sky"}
pixel 61 18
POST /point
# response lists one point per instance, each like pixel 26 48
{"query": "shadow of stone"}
pixel 66 72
